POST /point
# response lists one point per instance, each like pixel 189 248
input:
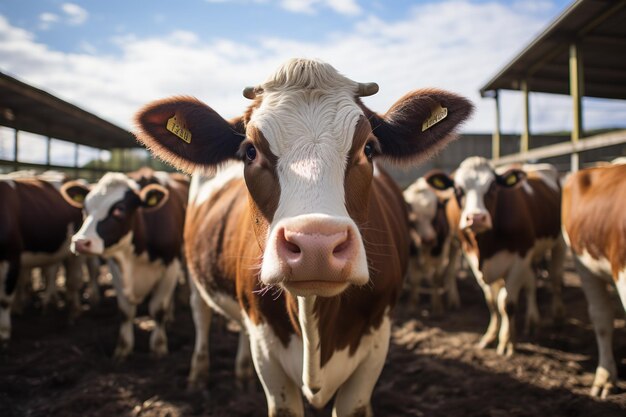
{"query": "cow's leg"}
pixel 555 271
pixel 437 286
pixel 8 276
pixel 449 276
pixel 491 293
pixel 128 310
pixel 518 276
pixel 532 318
pixel 282 394
pixel 600 307
pixel 23 290
pixel 50 294
pixel 201 312
pixel 353 397
pixel 415 282
pixel 244 369
pixel 93 270
pixel 159 306
pixel 74 283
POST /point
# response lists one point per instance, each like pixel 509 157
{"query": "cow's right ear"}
pixel 188 134
pixel 439 181
pixel 75 192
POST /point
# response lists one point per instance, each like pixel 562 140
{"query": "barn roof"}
pixel 24 107
pixel 599 26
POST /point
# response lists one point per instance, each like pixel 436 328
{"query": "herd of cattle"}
pixel 290 228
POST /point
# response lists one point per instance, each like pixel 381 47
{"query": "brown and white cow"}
pixel 36 225
pixel 594 226
pixel 436 257
pixel 135 221
pixel 303 239
pixel 506 222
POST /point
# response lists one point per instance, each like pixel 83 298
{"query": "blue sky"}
pixel 111 57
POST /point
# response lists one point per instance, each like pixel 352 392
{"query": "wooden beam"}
pixel 525 139
pixel 48 140
pixel 576 91
pixel 603 140
pixel 495 141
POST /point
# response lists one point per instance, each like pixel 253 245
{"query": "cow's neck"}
pixel 311 360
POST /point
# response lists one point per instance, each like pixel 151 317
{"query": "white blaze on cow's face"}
pixel 108 210
pixel 313 246
pixel 474 183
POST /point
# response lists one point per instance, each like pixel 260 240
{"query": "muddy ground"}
pixel 433 368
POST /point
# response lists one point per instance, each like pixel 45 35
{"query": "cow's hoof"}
pixel 505 349
pixel 120 354
pixel 602 391
pixel 195 384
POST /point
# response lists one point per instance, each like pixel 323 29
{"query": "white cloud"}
pixel 533 6
pixel 47 19
pixel 455 45
pixel 346 7
pixel 76 15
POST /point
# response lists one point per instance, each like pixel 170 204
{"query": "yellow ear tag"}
pixel 79 198
pixel 152 201
pixel 438 183
pixel 511 179
pixel 177 127
pixel 439 113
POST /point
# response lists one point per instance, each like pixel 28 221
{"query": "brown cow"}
pixel 35 229
pixel 135 221
pixel 594 226
pixel 437 253
pixel 506 222
pixel 304 240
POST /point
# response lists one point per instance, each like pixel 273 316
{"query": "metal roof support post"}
pixel 495 141
pixel 76 160
pixel 15 148
pixel 576 91
pixel 48 140
pixel 526 128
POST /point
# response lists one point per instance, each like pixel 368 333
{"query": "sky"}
pixel 111 57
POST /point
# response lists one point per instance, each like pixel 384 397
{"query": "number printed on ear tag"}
pixel 178 128
pixel 439 113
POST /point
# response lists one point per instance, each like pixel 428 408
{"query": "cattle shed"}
pixel 24 108
pixel 581 54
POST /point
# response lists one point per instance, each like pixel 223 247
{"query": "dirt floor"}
pixel 433 367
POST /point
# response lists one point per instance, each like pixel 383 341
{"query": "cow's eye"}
pixel 118 211
pixel 369 150
pixel 250 152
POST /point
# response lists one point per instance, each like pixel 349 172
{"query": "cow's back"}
pixel 43 215
pixel 594 217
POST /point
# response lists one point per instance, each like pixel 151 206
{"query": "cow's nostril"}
pixel 292 247
pixel 342 247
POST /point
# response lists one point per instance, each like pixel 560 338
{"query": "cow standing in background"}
pixel 304 241
pixel 36 225
pixel 135 221
pixel 594 226
pixel 436 257
pixel 507 222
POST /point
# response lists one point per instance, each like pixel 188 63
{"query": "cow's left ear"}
pixel 511 178
pixel 153 196
pixel 419 124
pixel 75 192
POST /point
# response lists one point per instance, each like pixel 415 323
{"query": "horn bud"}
pixel 251 92
pixel 367 89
